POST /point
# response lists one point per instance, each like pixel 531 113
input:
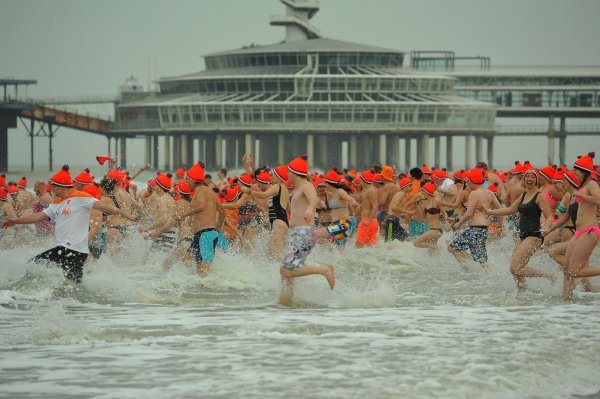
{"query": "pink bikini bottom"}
pixel 591 229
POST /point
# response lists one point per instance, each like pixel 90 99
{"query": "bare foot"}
pixel 486 266
pixel 552 277
pixel 330 276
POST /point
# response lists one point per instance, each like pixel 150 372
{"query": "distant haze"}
pixel 81 48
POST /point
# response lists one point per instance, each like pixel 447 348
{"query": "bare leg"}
pixel 287 291
pixel 461 256
pixel 578 256
pixel 202 268
pixel 522 253
pixel 277 240
pixel 428 239
pixel 306 270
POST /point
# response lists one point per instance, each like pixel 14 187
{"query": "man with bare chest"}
pixel 474 238
pixel 206 216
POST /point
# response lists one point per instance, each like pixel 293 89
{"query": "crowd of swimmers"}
pixel 190 216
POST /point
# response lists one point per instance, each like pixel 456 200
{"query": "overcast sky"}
pixel 81 47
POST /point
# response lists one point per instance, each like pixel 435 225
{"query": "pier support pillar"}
pixel 211 151
pixel 423 149
pixel 394 151
pixel 490 152
pixel 280 149
pixel 183 140
pixel 407 153
pixel 50 151
pixel 449 159
pixel 478 148
pixel 3 148
pixel 382 158
pixel 310 150
pixel 322 151
pixel 248 144
pixel 220 148
pixel 366 151
pixel 353 150
pixel 562 141
pixel 437 152
pixel 155 152
pixel 551 141
pixel 123 152
pixel 32 126
pixel 468 151
pixel 167 153
pixel 109 149
pixel 147 150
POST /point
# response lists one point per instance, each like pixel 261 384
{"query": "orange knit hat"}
pixel 405 182
pixel 299 166
pixel 196 172
pixel 22 183
pixel 281 172
pixel 62 178
pixel 164 181
pixel 84 177
pixel 264 177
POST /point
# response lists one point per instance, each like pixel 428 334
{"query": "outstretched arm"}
pixel 113 210
pixel 33 218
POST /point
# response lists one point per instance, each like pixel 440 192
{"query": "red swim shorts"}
pixel 367 235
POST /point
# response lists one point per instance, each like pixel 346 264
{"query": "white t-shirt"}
pixel 72 217
pixel 447 184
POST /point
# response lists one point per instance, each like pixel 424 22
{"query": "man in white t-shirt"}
pixel 71 213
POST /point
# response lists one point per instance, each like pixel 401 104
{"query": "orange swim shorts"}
pixel 367 235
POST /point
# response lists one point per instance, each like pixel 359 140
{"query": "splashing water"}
pixel 399 324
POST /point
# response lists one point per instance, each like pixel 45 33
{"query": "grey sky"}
pixel 81 47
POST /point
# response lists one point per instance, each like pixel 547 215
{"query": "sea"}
pixel 401 323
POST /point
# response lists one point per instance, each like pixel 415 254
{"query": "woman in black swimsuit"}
pixel 531 207
pixel 277 196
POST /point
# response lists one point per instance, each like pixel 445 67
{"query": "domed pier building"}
pixel 342 103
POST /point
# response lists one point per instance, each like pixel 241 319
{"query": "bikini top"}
pixel 432 211
pixel 579 200
pixel 551 200
pixel 327 206
pixel 335 203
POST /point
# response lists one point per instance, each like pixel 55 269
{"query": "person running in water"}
pixel 474 238
pixel 277 197
pixel 71 212
pixel 366 234
pixel 206 218
pixel 302 235
pixel 531 207
pixel 588 232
